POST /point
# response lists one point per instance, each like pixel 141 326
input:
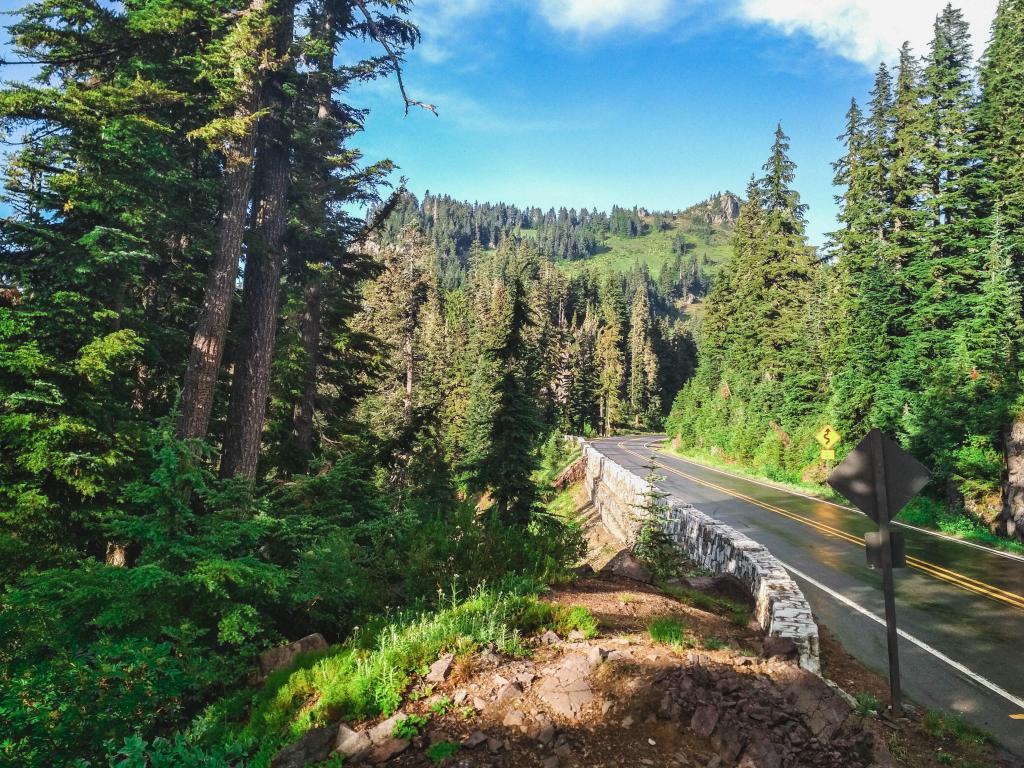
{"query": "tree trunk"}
pixel 250 386
pixel 1013 488
pixel 305 409
pixel 211 331
pixel 302 420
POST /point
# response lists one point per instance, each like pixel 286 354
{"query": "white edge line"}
pixel 938 534
pixel 1019 703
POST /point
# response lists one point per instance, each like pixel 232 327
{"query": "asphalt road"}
pixel 960 607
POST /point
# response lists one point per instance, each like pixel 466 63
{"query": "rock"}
pixel 761 754
pixel 584 570
pixel 627 721
pixel 567 691
pixel 314 747
pixel 551 761
pixel 508 692
pixel 388 749
pixel 439 669
pixel 354 745
pixel 475 739
pixel 460 697
pixel 514 719
pixel 479 704
pixel 487 659
pixel 494 746
pixel 596 655
pixel 575 636
pixel 284 655
pixel 704 720
pixel 550 638
pixel 618 655
pixel 382 731
pixel 525 678
pixel 782 647
pixel 626 565
pixel 541 730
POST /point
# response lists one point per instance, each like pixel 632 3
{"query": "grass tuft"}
pixel 669 631
pixel 943 726
pixel 442 751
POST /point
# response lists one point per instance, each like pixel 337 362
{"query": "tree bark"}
pixel 305 409
pixel 211 331
pixel 250 386
pixel 1013 488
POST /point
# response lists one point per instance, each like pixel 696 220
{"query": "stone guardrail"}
pixel 781 609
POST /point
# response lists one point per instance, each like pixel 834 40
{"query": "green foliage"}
pixel 867 704
pixel 559 618
pixel 370 673
pixel 441 706
pixel 956 729
pixel 177 752
pixel 652 545
pixel 442 750
pixel 409 727
pixel 715 644
pixel 669 631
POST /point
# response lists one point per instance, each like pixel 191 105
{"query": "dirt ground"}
pixel 624 699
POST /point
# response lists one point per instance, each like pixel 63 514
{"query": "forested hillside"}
pixel 233 411
pixel 911 319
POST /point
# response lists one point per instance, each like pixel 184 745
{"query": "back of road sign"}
pixel 854 478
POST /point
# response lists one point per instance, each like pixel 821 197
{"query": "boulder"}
pixel 284 655
pixel 314 747
pixel 354 745
pixel 626 565
pixel 439 669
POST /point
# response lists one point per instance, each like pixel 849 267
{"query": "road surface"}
pixel 959 606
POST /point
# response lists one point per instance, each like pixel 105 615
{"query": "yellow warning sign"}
pixel 828 454
pixel 828 438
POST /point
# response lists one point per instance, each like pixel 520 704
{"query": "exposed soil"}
pixel 720 695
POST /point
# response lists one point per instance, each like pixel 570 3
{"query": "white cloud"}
pixel 441 23
pixel 867 31
pixel 597 16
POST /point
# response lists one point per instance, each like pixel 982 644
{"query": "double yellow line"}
pixel 937 571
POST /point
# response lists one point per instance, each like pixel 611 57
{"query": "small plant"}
pixel 442 750
pixel 441 705
pixel 409 727
pixel 943 726
pixel 467 712
pixel 945 758
pixel 653 546
pixel 867 704
pixel 560 618
pixel 669 631
pixel 714 643
pixel 897 747
pixel 421 692
pixel 626 599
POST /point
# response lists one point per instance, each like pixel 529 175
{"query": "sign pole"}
pixel 888 585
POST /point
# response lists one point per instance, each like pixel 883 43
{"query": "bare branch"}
pixel 375 31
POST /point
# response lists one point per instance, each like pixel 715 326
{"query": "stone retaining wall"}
pixel 780 607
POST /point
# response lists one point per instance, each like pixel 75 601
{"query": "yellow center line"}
pixel 943 574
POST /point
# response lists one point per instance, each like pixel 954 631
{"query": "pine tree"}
pixel 643 400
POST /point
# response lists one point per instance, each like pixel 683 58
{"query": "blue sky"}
pixel 647 102
pixel 657 103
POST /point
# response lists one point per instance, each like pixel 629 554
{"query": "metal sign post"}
pixel 888 584
pixel 879 477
